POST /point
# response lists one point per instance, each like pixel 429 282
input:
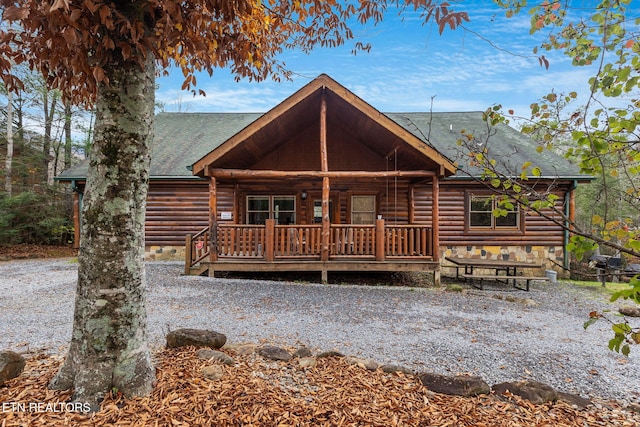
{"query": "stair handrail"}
pixel 197 248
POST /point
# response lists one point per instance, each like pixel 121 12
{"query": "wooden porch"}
pixel 338 247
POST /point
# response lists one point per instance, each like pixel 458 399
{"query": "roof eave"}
pixel 580 178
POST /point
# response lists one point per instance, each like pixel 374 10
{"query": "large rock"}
pixel 330 353
pixel 630 311
pixel 195 337
pixel 11 365
pixel 574 399
pixel 459 385
pixel 241 348
pixel 368 364
pixel 213 373
pixel 390 369
pixel 535 392
pixel 302 352
pixel 216 356
pixel 274 353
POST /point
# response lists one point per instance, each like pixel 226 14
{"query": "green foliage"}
pixel 632 292
pixel 600 137
pixel 580 246
pixel 34 218
pixel 618 342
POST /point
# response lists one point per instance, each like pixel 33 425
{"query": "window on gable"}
pixel 482 214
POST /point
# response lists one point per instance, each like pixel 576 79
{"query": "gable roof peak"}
pixel 303 105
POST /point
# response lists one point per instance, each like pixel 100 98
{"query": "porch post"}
pixel 435 222
pixel 380 238
pixel 412 204
pixel 188 255
pixel 324 165
pixel 213 219
pixel 269 239
pixel 325 237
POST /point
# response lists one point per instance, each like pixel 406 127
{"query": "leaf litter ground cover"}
pixel 259 392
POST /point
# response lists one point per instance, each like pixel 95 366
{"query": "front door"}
pixel 317 211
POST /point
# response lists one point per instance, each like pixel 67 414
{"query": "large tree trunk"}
pixel 109 343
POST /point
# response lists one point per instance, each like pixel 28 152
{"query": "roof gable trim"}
pixel 324 82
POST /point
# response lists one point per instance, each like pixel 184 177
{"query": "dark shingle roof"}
pixel 183 138
pixel 510 148
pixel 180 139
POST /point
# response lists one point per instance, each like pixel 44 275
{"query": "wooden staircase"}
pixel 201 269
pixel 197 252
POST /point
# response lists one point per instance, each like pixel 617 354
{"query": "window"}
pixel 257 209
pixel 363 209
pixel 284 209
pixel 280 208
pixel 482 211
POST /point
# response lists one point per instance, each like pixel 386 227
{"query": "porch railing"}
pixel 240 240
pixel 353 240
pixel 408 241
pixel 297 240
pixel 375 242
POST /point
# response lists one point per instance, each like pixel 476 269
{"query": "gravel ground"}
pixel 498 333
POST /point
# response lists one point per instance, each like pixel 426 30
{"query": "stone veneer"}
pixel 541 254
pixel 534 254
pixel 164 253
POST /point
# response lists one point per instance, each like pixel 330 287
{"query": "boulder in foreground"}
pixel 11 365
pixel 195 337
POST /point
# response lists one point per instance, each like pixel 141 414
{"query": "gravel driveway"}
pixel 499 333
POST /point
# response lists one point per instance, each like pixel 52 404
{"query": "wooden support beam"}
pixel 280 174
pixel 236 204
pixel 187 255
pixel 213 218
pixel 269 239
pixel 325 236
pixel 324 159
pixel 412 204
pixel 435 214
pixel 380 249
pixel 572 206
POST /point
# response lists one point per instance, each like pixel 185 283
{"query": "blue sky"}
pixel 411 67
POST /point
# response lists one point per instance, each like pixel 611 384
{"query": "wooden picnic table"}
pixel 507 267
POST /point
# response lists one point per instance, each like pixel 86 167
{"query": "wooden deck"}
pixel 271 247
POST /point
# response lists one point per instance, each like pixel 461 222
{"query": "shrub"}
pixel 34 218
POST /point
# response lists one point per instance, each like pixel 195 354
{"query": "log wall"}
pixel 175 209
pixel 537 230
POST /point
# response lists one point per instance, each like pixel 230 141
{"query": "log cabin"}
pixel 325 182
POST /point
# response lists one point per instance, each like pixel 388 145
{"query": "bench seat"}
pixel 474 278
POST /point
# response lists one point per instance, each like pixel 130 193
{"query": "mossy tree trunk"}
pixel 109 347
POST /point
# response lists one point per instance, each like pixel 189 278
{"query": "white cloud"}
pixel 408 66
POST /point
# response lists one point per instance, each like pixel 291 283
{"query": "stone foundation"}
pixel 164 253
pixel 533 254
